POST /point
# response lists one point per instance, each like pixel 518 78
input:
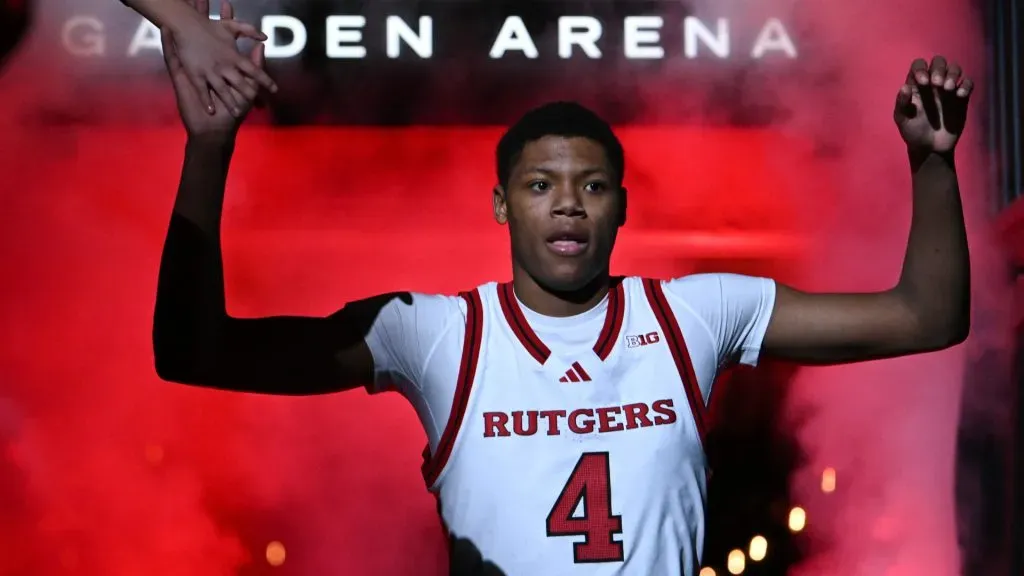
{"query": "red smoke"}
pixel 107 471
pixel 123 474
pixel 888 428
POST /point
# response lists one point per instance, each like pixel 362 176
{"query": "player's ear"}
pixel 500 205
pixel 623 206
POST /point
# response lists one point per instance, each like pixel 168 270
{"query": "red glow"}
pixel 125 475
pixel 106 471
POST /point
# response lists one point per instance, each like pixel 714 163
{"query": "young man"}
pixel 565 409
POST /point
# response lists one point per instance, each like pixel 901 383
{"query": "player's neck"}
pixel 559 304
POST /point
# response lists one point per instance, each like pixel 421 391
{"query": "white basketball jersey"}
pixel 583 464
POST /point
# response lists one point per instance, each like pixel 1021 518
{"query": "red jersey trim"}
pixel 612 320
pixel 520 327
pixel 681 356
pixel 432 465
pixel 536 347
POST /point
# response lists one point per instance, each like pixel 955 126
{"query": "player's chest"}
pixel 577 398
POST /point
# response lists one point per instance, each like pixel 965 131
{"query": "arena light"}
pixel 758 548
pixel 707 572
pixel 828 480
pixel 797 519
pixel 275 553
pixel 737 562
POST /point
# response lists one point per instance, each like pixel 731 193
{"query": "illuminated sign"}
pixel 357 62
pixel 346 37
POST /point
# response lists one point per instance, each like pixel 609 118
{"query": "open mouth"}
pixel 567 243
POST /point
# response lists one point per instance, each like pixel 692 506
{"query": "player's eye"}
pixel 595 186
pixel 540 186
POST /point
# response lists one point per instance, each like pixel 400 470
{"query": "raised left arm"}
pixel 929 307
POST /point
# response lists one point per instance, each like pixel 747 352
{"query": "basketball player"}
pixel 207 49
pixel 565 410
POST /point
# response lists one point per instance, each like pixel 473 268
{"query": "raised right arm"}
pixel 194 339
pixel 196 342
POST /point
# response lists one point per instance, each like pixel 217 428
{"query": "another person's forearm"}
pixel 191 313
pixel 936 276
pixel 163 13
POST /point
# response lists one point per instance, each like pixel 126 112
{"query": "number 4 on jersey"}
pixel 590 482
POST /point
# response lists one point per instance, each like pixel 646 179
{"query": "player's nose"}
pixel 566 200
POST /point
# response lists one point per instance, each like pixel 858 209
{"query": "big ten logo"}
pixel 642 339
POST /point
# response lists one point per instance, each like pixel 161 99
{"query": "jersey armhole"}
pixel 680 355
pixel 434 463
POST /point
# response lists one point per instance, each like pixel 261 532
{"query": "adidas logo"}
pixel 575 373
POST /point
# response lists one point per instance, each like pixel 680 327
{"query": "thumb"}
pixel 227 11
pixel 905 103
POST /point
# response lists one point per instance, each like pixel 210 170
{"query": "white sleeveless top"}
pixel 592 463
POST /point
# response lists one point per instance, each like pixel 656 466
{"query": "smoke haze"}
pixel 105 470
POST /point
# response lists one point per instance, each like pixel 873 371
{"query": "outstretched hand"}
pixel 208 54
pixel 224 117
pixel 931 107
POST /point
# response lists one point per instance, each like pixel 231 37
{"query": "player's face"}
pixel 563 206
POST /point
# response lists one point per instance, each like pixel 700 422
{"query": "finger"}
pixel 203 91
pixel 220 105
pixel 953 76
pixel 203 7
pixel 258 57
pixel 919 71
pixel 244 107
pixel 905 103
pixel 246 87
pixel 227 11
pixel 225 93
pixel 955 104
pixel 242 29
pixel 904 98
pixel 253 69
pixel 911 81
pixel 966 88
pixel 938 70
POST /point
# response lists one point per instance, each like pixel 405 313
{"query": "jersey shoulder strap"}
pixel 669 324
pixel 434 463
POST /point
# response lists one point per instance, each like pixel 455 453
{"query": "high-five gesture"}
pixel 931 107
pixel 209 55
pixel 226 116
pixel 207 49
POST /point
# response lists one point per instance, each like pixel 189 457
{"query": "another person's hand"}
pixel 207 52
pixel 225 119
pixel 931 107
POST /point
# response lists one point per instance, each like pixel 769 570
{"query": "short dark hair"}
pixel 568 119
